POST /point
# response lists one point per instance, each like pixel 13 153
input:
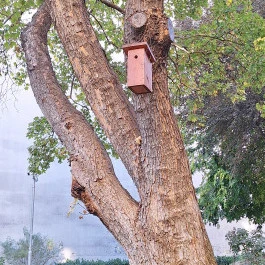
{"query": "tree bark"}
pixel 165 227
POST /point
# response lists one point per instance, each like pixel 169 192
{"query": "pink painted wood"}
pixel 139 67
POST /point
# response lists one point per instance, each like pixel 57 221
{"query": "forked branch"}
pixel 98 81
pixel 100 187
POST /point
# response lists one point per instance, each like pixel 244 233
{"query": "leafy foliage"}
pixel 219 56
pixel 230 152
pixel 180 9
pixel 44 250
pixel 46 146
pixel 250 245
pixel 12 21
pixel 98 262
pixel 217 84
pixel 2 261
pixel 216 78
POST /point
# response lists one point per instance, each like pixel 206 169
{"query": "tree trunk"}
pixel 165 227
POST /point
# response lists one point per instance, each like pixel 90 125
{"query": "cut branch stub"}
pixel 138 20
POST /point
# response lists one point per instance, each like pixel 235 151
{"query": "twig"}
pixel 9 17
pixel 180 48
pixel 112 5
pixel 72 85
pixel 177 72
pixel 105 34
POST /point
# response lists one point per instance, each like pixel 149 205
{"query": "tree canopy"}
pixel 223 114
pixel 249 245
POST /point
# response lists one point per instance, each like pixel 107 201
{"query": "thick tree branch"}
pixel 100 84
pixel 98 187
pixel 163 154
pixel 112 5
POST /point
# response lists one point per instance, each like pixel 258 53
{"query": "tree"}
pixel 2 261
pixel 220 100
pixel 249 245
pixel 230 151
pixel 165 226
pixel 44 250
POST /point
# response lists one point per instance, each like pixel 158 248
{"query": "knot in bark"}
pixel 77 189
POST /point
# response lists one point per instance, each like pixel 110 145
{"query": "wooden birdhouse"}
pixel 139 67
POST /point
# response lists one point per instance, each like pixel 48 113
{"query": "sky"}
pixel 82 238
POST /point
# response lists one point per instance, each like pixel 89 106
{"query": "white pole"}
pixel 32 220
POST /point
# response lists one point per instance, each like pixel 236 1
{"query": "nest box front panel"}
pixel 139 71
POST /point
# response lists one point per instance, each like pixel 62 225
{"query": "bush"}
pixel 92 262
pixel 249 245
pixel 44 250
pixel 2 261
pixel 224 260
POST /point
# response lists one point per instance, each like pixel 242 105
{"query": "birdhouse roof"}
pixel 139 45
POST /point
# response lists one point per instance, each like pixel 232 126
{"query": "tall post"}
pixel 32 219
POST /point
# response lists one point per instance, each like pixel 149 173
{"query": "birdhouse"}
pixel 139 67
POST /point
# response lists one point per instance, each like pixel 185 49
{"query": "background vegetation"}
pixel 98 262
pixel 44 250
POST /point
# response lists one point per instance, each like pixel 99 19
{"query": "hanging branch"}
pixel 112 5
pixel 105 34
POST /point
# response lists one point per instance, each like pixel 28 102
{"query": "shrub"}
pixel 2 261
pixel 98 262
pixel 44 250
pixel 224 260
pixel 249 244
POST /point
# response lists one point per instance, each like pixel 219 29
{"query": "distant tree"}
pixel 2 261
pixel 249 244
pixel 230 153
pixel 44 250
